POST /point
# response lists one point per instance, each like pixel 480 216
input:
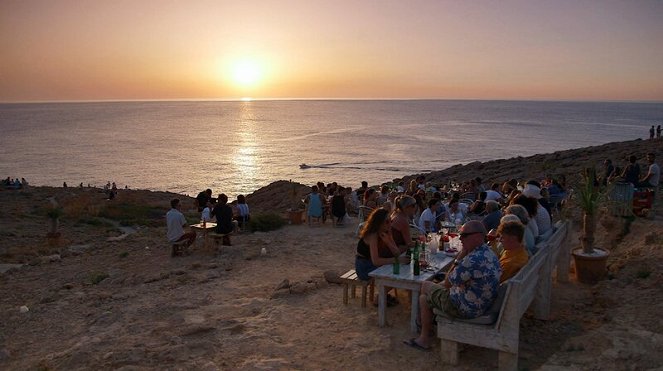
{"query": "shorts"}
pixel 438 298
pixel 363 267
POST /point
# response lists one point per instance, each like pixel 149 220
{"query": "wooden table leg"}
pixel 382 303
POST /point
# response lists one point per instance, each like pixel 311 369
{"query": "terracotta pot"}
pixel 296 216
pixel 590 269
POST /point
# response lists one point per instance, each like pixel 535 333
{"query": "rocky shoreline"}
pixel 107 295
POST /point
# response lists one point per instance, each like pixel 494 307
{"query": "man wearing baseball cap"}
pixel 469 288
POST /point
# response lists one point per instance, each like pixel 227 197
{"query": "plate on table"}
pixel 451 252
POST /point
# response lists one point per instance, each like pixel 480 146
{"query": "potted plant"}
pixel 297 207
pixel 590 262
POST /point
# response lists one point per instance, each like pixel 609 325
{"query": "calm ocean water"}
pixel 237 147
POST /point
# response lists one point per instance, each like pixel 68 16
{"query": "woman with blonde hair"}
pixel 406 207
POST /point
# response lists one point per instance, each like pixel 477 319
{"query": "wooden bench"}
pixel 178 248
pixel 499 329
pixel 350 279
pixel 219 236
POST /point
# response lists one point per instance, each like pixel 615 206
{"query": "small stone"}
pixel 24 309
pixel 283 285
pixel 332 277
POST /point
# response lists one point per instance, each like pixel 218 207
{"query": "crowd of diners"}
pixel 513 215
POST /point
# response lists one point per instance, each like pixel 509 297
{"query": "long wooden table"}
pixel 384 277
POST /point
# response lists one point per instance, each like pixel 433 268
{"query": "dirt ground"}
pixel 124 303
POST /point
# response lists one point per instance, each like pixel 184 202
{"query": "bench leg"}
pixel 448 352
pixel 363 296
pixel 345 293
pixel 352 293
pixel 371 291
pixel 507 361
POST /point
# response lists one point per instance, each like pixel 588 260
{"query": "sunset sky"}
pixel 166 49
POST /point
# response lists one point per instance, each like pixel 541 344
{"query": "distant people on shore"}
pixel 11 183
pixel 658 132
pixel 651 132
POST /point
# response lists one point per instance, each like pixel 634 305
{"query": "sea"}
pixel 236 147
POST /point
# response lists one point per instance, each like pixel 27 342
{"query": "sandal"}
pixel 413 343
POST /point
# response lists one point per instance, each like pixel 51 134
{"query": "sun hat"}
pixel 532 191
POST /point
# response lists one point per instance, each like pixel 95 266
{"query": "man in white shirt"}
pixel 653 176
pixel 428 220
pixel 176 221
pixel 542 218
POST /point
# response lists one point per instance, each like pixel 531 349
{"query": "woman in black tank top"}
pixel 375 234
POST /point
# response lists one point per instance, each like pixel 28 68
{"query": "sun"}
pixel 247 73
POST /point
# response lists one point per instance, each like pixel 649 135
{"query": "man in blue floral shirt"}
pixel 470 286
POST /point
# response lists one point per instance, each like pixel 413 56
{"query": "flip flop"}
pixel 413 343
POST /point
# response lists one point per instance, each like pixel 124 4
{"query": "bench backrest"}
pixel 521 288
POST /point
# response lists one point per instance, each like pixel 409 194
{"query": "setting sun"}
pixel 246 73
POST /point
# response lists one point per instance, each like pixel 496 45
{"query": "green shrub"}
pixel 96 277
pixel 133 214
pixel 266 222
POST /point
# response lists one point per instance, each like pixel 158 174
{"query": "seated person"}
pixel 175 222
pixel 521 213
pixel 406 206
pixel 224 218
pixel 427 220
pixel 314 204
pixel 493 216
pixel 374 237
pixel 243 214
pixel 455 213
pixel 338 205
pixel 469 288
pixel 493 193
pixel 206 215
pixel 478 207
pixel 631 172
pixel 651 179
pixel 514 255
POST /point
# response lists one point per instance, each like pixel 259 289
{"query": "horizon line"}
pixel 249 99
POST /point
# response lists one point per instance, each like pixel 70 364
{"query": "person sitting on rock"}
pixel 469 288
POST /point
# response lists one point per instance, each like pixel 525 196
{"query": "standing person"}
pixel 224 218
pixel 203 198
pixel 651 132
pixel 175 221
pixel 658 132
pixel 469 288
pixel 651 179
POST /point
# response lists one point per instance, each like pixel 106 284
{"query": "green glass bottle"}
pixel 397 266
pixel 415 260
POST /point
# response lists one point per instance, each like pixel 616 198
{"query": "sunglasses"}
pixel 463 235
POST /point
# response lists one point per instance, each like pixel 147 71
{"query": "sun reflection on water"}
pixel 244 158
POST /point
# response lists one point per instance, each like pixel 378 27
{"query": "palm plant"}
pixel 589 197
